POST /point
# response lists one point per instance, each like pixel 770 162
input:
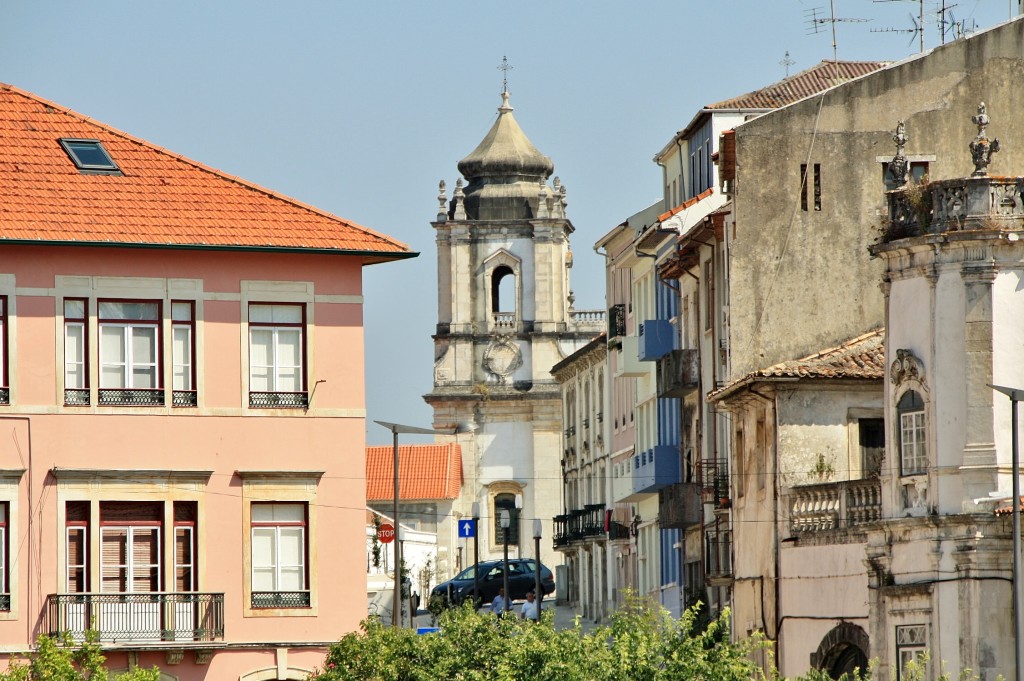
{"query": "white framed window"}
pixel 913 449
pixel 76 352
pixel 911 646
pixel 129 352
pixel 183 353
pixel 279 549
pixel 277 355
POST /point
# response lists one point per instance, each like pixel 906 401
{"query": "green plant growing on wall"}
pixel 823 469
pixel 919 196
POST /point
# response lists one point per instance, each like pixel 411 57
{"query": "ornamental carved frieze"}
pixel 502 357
pixel 906 367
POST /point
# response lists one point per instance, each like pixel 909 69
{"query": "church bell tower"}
pixel 505 318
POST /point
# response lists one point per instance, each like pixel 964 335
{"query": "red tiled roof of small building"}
pixel 800 85
pixel 425 472
pixel 862 357
pixel 161 199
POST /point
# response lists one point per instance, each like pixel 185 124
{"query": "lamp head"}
pixel 538 527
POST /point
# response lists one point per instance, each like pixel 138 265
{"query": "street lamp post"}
pixel 1016 396
pixel 537 593
pixel 395 429
pixel 476 554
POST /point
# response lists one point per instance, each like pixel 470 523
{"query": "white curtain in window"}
pixel 113 357
pixel 182 353
pixel 74 355
pixel 264 558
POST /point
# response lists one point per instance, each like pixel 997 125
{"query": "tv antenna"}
pixel 917 23
pixel 787 62
pixel 815 21
pixel 948 23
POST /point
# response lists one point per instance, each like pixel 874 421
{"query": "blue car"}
pixel 488 575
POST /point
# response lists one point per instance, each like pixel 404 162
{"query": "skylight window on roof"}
pixel 89 155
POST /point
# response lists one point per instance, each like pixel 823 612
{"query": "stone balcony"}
pixel 834 506
pixel 962 204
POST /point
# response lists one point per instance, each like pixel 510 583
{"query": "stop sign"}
pixel 386 533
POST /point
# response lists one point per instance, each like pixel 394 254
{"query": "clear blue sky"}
pixel 360 108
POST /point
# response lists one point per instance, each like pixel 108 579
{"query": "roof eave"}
pixel 369 257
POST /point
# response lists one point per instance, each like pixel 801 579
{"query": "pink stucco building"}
pixel 181 405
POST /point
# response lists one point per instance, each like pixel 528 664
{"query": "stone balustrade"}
pixel 835 505
pixel 970 203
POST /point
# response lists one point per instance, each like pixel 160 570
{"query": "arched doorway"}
pixel 843 649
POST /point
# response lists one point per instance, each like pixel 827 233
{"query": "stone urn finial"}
pixel 982 148
pixel 899 167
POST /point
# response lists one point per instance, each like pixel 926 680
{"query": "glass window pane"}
pixel 288 381
pixel 261 314
pixel 263 579
pixel 289 513
pixel 261 343
pixel 144 378
pixel 262 513
pixel 287 314
pixel 292 579
pixel 74 345
pixel 260 381
pixel 292 549
pixel 181 312
pixel 112 344
pixel 289 348
pixel 112 377
pixel 143 345
pixel 129 311
pixel 264 552
pixel 74 309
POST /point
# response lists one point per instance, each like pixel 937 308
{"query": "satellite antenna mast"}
pixel 918 24
pixel 815 22
pixel 787 62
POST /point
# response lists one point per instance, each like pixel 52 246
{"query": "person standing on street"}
pixel 530 611
pixel 498 604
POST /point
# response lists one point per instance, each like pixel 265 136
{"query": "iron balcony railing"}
pixel 579 524
pixel 184 398
pixel 616 321
pixel 76 397
pixel 278 400
pixel 131 397
pixel 131 617
pixel 834 505
pixel 678 373
pixel 679 506
pixel 5 395
pixel 280 599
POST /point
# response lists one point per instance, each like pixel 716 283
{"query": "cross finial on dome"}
pixel 504 67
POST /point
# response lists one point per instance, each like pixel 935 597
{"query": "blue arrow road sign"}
pixel 466 528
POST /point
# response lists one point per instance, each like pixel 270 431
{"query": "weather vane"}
pixel 505 67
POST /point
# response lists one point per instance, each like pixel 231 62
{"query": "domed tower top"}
pixel 504 172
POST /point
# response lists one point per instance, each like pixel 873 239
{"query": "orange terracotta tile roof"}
pixel 1007 507
pixel 686 204
pixel 862 357
pixel 161 200
pixel 425 472
pixel 800 85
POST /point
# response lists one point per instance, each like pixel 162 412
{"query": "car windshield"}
pixel 468 573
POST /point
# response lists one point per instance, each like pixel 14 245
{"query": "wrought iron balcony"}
pixel 184 398
pixel 678 373
pixel 137 617
pixel 578 525
pixel 131 397
pixel 280 599
pixel 278 400
pixel 617 531
pixel 76 397
pixel 616 321
pixel 5 395
pixel 679 506
pixel 834 505
pixel 713 479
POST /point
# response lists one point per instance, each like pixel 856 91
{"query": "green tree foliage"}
pixel 62 659
pixel 643 643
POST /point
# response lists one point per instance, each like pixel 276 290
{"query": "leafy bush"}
pixel 642 643
pixel 62 659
